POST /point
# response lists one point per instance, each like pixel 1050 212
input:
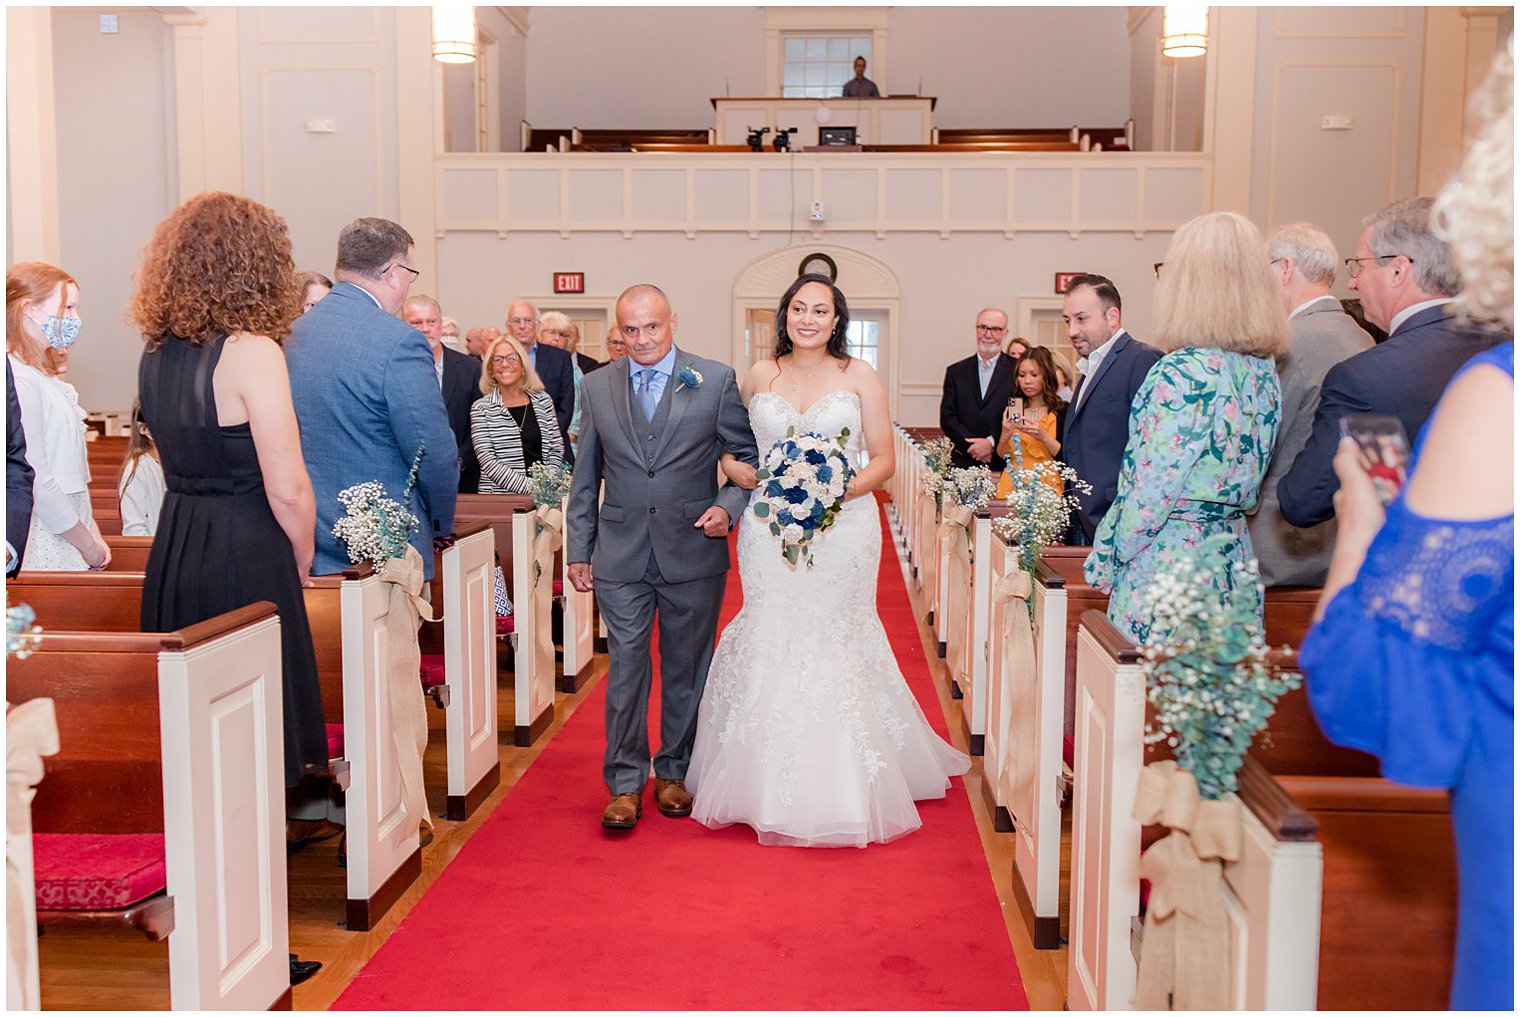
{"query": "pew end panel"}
pixel 579 625
pixel 533 659
pixel 1105 866
pixel 221 725
pixel 467 578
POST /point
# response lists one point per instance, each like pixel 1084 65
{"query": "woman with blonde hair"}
pixel 41 317
pixel 513 426
pixel 1203 423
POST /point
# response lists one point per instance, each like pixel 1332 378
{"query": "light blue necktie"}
pixel 646 392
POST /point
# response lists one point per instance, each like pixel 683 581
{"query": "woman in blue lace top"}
pixel 1412 659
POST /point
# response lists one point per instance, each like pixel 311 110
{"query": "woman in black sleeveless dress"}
pixel 218 289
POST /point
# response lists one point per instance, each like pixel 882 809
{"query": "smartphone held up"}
pixel 1383 448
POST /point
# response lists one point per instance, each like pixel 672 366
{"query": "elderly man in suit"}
pixel 458 380
pixel 652 429
pixel 1404 274
pixel 1113 366
pixel 553 364
pixel 18 480
pixel 366 394
pixel 1303 265
pixel 975 394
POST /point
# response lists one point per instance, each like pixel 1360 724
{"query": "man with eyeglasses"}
pixel 1303 262
pixel 1404 274
pixel 366 393
pixel 458 381
pixel 553 364
pixel 976 392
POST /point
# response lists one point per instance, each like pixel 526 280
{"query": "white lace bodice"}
pixel 770 414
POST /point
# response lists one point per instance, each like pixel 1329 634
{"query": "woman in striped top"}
pixel 514 425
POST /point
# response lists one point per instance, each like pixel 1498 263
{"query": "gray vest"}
pixel 649 431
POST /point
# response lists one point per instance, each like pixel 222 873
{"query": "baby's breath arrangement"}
pixel 938 453
pixel 549 485
pixel 1207 668
pixel 21 632
pixel 1037 513
pixel 374 527
pixel 972 487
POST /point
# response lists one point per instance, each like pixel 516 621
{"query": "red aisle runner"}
pixel 542 909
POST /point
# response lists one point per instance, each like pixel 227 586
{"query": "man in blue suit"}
pixel 1405 277
pixel 366 392
pixel 554 366
pixel 1113 365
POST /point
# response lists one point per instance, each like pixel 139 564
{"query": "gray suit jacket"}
pixel 650 505
pixel 1323 336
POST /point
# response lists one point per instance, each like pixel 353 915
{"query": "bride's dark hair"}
pixel 837 347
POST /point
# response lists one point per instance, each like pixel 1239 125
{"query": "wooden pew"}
pixel 514 524
pixel 174 734
pixel 346 614
pixel 1388 861
pixel 128 554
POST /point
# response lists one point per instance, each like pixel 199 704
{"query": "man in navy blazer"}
pixel 553 364
pixel 1405 277
pixel 976 393
pixel 458 380
pixel 366 393
pixel 1113 365
pixel 18 480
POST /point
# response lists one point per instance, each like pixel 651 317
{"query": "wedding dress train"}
pixel 807 730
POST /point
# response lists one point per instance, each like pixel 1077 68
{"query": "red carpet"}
pixel 543 910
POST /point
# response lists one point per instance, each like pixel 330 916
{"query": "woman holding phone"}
pixel 1034 417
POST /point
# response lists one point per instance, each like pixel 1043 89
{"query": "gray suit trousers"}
pixel 688 619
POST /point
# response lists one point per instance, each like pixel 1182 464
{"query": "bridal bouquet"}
pixel 803 479
pixel 374 527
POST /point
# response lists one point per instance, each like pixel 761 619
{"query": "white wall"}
pixel 1013 66
pixel 113 96
pixel 640 67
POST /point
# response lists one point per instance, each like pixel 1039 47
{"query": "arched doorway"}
pixel 868 284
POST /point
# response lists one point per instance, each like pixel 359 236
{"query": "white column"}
pixel 32 135
pixel 208 115
pixel 419 135
pixel 1229 106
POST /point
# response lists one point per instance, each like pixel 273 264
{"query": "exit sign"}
pixel 569 282
pixel 1063 280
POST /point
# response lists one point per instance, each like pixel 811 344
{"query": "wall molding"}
pixel 1282 30
pixel 266 37
pixel 266 71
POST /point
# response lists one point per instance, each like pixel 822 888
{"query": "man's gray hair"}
pixel 367 246
pixel 1404 228
pixel 1312 251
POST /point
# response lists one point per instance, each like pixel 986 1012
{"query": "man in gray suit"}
pixel 652 429
pixel 1303 264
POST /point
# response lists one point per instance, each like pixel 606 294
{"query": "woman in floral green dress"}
pixel 1203 423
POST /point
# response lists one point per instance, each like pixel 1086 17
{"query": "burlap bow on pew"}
pixel 952 534
pixel 408 712
pixel 549 540
pixel 31 732
pixel 1016 705
pixel 1185 956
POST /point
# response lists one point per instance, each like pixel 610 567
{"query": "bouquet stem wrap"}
pixel 1016 706
pixel 408 711
pixel 1185 956
pixel 31 732
pixel 549 540
pixel 952 534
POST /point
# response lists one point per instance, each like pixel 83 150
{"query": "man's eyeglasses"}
pixel 521 321
pixel 992 329
pixel 1354 265
pixel 502 361
pixel 415 272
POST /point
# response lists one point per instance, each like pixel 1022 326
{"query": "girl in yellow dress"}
pixel 1037 426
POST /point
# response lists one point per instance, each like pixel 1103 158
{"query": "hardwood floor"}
pixel 92 970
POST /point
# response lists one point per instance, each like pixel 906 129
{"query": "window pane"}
pixel 839 49
pixel 817 74
pixel 792 74
pixel 840 73
pixel 817 49
pixel 794 49
pixel 860 47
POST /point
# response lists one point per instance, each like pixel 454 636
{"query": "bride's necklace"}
pixel 805 377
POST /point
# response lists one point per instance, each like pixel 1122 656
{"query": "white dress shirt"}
pixel 984 371
pixel 1414 309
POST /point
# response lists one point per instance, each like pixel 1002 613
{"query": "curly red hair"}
pixel 219 264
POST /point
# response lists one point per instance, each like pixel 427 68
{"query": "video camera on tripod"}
pixel 756 138
pixel 783 139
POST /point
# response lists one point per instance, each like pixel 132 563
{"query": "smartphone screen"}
pixel 1384 449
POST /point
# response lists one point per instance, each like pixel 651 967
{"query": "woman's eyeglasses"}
pixel 510 358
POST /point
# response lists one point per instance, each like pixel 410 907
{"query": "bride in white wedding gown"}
pixel 807 730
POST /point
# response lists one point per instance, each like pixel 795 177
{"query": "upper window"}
pixel 816 66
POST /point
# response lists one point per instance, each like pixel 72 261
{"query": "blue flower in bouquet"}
pixel 804 480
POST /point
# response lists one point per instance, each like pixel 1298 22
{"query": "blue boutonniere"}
pixel 689 378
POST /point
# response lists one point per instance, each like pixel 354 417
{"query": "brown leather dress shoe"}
pixel 623 811
pixel 672 797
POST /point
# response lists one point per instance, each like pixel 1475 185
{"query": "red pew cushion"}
pixel 97 871
pixel 504 625
pixel 559 588
pixel 334 741
pixel 1069 751
pixel 432 670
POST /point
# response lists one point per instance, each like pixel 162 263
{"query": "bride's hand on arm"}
pixel 876 421
pixel 739 473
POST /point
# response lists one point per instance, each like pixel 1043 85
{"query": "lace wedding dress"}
pixel 807 731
